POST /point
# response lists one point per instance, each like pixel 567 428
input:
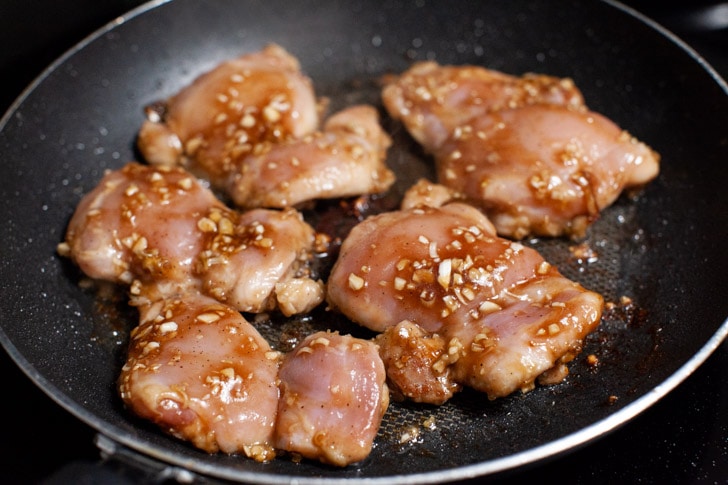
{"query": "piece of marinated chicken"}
pixel 250 126
pixel 201 372
pixel 506 314
pixel 544 169
pixel 526 150
pixel 426 193
pixel 434 101
pixel 259 261
pixel 417 364
pixel 333 398
pixel 528 333
pixel 407 265
pixel 145 224
pixel 218 119
pixel 346 159
pixel 140 222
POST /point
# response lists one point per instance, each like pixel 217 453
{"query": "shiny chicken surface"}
pixel 199 370
pixel 145 224
pixel 507 315
pixel 453 304
pixel 526 150
pixel 211 124
pixel 195 366
pixel 333 398
pixel 345 159
pixel 251 127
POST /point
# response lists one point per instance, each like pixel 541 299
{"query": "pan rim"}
pixel 530 456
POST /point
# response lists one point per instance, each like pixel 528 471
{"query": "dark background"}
pixel 681 439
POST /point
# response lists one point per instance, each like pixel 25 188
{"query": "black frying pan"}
pixel 664 249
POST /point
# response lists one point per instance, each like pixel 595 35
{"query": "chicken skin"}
pixel 146 224
pixel 195 366
pixel 527 151
pixel 423 265
pixel 505 314
pixel 333 398
pixel 201 372
pixel 543 169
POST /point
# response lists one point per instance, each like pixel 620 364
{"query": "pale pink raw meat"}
pixel 525 150
pixel 333 398
pixel 506 315
pixel 197 369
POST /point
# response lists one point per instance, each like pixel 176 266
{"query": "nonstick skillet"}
pixel 662 249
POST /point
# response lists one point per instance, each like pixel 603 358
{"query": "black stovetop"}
pixel 681 439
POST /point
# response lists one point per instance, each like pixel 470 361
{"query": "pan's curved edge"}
pixel 26 367
pixel 674 39
pixel 528 457
pixel 79 46
pixel 601 428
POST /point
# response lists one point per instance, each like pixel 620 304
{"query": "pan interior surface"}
pixel 658 254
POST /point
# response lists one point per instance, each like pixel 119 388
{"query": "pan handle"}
pixel 155 471
pixel 120 465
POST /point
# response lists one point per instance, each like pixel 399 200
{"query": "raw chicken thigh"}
pixel 251 127
pixel 144 224
pixel 200 371
pixel 210 125
pixel 506 315
pixel 433 101
pixel 333 398
pixel 527 151
pixel 345 159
